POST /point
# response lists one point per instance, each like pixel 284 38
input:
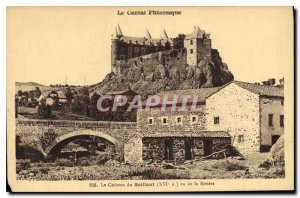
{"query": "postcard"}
pixel 150 99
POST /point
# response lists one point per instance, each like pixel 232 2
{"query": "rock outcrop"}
pixel 167 77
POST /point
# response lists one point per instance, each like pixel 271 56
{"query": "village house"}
pixel 244 115
pixel 252 114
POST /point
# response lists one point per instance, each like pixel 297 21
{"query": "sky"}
pixel 48 45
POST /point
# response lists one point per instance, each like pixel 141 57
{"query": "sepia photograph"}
pixel 150 99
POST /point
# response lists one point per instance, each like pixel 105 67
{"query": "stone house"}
pixel 175 135
pixel 252 114
pixel 248 116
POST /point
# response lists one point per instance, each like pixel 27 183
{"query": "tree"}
pixel 20 93
pixel 44 110
pixel 93 105
pixel 69 95
pixel 37 92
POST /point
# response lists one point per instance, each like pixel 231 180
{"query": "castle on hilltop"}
pixel 127 51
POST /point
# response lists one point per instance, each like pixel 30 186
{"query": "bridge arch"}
pixel 70 135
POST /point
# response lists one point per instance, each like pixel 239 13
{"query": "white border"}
pixel 5 3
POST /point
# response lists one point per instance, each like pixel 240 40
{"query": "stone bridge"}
pixel 64 131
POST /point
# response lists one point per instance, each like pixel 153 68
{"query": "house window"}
pixel 194 119
pixel 270 119
pixel 240 138
pixel 150 121
pixel 191 51
pixel 178 119
pixel 281 120
pixel 164 121
pixel 191 42
pixel 216 120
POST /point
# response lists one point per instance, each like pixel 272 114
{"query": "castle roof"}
pixel 144 41
pixel 197 33
pixel 147 40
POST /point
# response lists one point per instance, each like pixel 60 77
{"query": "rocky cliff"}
pixel 167 74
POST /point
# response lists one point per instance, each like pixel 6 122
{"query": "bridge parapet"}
pixel 77 123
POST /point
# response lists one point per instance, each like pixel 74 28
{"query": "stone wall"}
pixel 157 115
pixel 238 112
pixel 171 58
pixel 133 150
pixel 178 149
pixel 198 148
pixel 154 148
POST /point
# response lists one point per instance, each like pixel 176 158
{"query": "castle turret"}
pixel 148 35
pixel 198 45
pixel 119 32
pixel 114 51
pixel 165 36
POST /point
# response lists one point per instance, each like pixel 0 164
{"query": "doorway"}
pixel 188 148
pixel 168 147
pixel 207 146
pixel 275 138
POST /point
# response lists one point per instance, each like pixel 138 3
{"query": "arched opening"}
pixel 24 151
pixel 81 144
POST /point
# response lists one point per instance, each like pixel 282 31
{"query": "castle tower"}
pixel 165 36
pixel 198 45
pixel 114 48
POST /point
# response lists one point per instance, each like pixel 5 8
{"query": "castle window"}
pixel 216 120
pixel 281 120
pixel 270 119
pixel 150 121
pixel 282 102
pixel 194 119
pixel 191 51
pixel 178 120
pixel 164 120
pixel 240 138
pixel 191 42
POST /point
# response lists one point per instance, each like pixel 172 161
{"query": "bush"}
pixel 22 164
pixel 84 161
pixel 266 164
pixel 64 162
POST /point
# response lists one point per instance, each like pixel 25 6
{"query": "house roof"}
pixel 202 93
pixel 263 90
pixel 211 134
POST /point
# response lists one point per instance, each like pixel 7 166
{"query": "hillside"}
pixel 28 84
pixel 166 74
